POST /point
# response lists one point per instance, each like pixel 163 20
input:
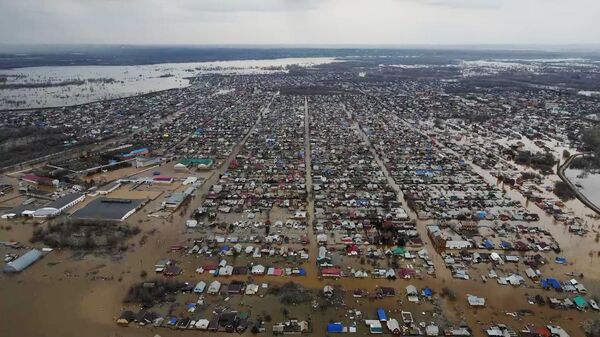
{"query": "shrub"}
pixel 563 191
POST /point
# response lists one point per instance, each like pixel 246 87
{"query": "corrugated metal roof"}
pixel 23 262
pixel 63 201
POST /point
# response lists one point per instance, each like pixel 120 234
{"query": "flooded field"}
pixel 588 183
pixel 38 87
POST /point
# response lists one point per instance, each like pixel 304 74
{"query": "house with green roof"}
pixel 198 162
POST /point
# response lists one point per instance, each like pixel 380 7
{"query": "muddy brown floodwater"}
pixel 61 296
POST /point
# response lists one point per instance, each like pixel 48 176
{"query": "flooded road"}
pixel 313 249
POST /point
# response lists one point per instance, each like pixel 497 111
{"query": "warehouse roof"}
pixel 108 209
pixel 23 262
pixel 64 201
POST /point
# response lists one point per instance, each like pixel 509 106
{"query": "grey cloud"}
pixel 254 5
pixel 474 4
pixel 299 21
pixel 223 5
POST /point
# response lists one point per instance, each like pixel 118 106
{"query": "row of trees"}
pixel 591 140
pixel 85 236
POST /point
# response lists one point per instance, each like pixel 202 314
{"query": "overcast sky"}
pixel 394 22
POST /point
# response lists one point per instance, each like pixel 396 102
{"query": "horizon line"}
pixel 518 46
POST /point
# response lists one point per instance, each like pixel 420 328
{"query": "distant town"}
pixel 409 193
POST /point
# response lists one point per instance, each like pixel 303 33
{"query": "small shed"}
pixel 202 324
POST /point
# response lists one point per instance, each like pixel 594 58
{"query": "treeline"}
pixel 82 235
pixel 5 85
pixel 540 161
pixel 153 292
pixel 22 144
pixel 41 84
pixel 15 133
pixel 586 163
pixel 591 140
pixel 563 191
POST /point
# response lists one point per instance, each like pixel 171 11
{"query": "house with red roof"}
pixel 331 272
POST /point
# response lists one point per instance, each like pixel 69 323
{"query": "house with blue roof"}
pixel 487 244
pixel 555 284
pixel 335 327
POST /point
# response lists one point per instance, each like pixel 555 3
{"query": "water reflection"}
pixel 587 182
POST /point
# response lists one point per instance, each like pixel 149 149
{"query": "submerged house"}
pixel 412 293
pixel 214 287
pixel 290 327
pixel 331 272
pixel 375 326
pixel 199 288
pixel 335 328
pixel 251 289
pixel 475 301
pixel 393 325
